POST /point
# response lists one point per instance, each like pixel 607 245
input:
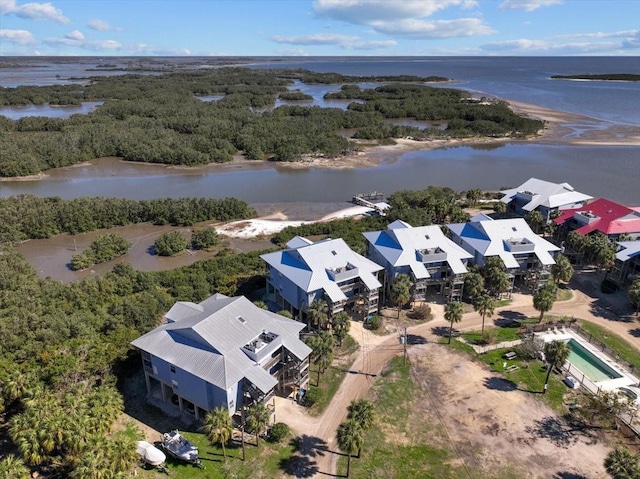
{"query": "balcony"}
pixel 431 255
pixel 343 273
pixel 585 217
pixel 519 245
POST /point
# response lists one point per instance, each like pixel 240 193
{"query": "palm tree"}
pixel 500 208
pixel 13 467
pixel 473 196
pixel 621 463
pixel 363 412
pixel 340 325
pixel 473 284
pixel 318 313
pixel 556 353
pixel 496 279
pixel 401 291
pixel 349 436
pixel 544 298
pixel 453 313
pixel 485 306
pixel 562 269
pixel 258 417
pixel 218 427
pixel 535 220
pixel 121 449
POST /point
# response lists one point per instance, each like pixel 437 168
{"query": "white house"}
pixel 424 253
pixel 326 270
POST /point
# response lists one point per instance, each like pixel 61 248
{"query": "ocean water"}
pixel 613 172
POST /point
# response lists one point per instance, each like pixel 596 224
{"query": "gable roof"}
pixel 208 342
pixel 605 216
pixel 545 193
pixel 400 243
pixel 493 238
pixel 628 250
pixel 307 265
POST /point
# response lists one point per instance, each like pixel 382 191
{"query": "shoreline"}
pixel 560 128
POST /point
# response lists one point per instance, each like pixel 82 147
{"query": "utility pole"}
pixel 404 344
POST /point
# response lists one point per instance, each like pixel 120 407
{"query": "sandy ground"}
pixel 276 222
pixel 487 424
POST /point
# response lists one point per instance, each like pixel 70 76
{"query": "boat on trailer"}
pixel 178 447
pixel 151 455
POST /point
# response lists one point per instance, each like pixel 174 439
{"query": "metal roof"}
pixel 488 237
pixel 628 250
pixel 609 217
pixel 400 243
pixel 545 193
pixel 307 265
pixel 208 343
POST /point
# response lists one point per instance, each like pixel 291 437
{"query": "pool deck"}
pixel 564 334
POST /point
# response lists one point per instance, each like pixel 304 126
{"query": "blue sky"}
pixel 320 27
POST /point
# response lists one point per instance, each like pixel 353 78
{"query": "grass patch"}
pixel 333 376
pixel 498 335
pixel 563 293
pixel 529 376
pixel 622 347
pixel 402 443
pixel 263 462
pixel 382 457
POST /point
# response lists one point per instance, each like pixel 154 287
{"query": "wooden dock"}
pixel 370 200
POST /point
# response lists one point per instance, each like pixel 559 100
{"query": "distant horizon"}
pixel 307 57
pixel 319 28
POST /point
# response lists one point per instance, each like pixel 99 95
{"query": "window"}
pixel 334 253
pixel 174 384
pixel 242 320
pixel 173 369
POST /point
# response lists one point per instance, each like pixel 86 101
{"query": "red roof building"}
pixel 606 216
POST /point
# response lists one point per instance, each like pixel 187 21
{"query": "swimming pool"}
pixel 589 364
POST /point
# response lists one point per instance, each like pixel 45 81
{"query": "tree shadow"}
pixel 554 429
pixel 152 250
pixel 299 466
pixel 442 331
pixel 568 475
pixel 509 315
pixel 310 445
pixel 416 339
pixel 605 309
pixel 500 384
pixel 635 332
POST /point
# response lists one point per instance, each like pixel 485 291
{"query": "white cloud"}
pixel 77 39
pixel 369 45
pixel 527 5
pixel 292 52
pixel 33 11
pixel 362 12
pixel 619 34
pixel 19 37
pixel 101 26
pixel 421 29
pixel 345 42
pixel 316 39
pixel 76 35
pixel 544 47
pixel 407 18
pixel 144 49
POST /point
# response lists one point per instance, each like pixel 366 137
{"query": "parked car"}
pixel 571 382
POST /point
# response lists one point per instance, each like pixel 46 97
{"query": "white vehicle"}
pixel 571 382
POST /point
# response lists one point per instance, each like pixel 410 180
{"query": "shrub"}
pixel 422 313
pixel 279 432
pixel 169 244
pixel 205 238
pixel 375 323
pixel 489 336
pixel 312 396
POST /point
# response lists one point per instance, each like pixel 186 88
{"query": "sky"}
pixel 319 27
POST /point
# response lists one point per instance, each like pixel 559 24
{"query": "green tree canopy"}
pixel 453 312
